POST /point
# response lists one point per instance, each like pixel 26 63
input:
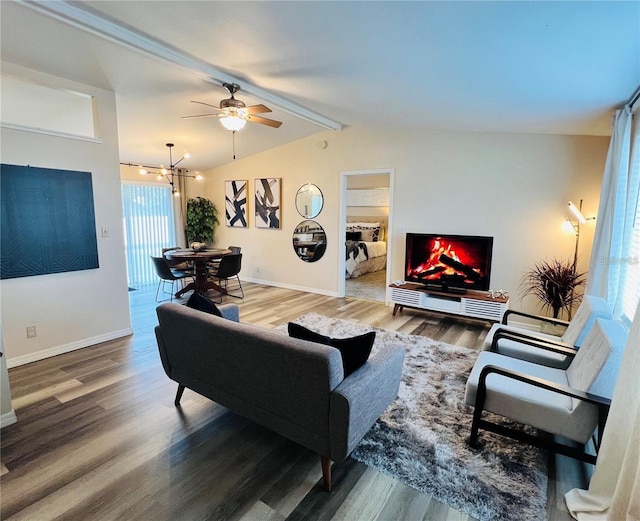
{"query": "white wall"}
pixel 80 308
pixel 513 187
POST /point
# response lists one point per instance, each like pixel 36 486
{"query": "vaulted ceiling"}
pixel 521 66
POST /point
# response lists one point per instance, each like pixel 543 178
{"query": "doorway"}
pixel 365 253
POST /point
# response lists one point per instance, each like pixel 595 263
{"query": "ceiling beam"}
pixel 97 24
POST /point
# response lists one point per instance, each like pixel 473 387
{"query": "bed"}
pixel 365 252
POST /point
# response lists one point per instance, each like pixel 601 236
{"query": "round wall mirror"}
pixel 309 241
pixel 309 201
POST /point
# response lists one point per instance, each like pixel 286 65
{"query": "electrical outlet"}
pixel 31 332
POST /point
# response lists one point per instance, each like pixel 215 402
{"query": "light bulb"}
pixel 568 227
pixel 233 123
pixel 186 155
pixel 198 177
pixel 143 171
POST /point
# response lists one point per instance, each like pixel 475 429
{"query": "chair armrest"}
pixel 230 312
pixel 549 345
pixel 540 318
pixel 362 397
pixel 595 399
pixel 603 404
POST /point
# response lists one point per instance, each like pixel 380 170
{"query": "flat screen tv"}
pixel 450 263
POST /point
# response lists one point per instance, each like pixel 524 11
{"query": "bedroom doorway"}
pixel 365 224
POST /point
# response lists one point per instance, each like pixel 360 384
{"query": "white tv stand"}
pixel 473 304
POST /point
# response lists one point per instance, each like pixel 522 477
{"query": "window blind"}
pixel 631 262
pixel 148 227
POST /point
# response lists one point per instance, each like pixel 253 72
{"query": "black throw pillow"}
pixel 355 351
pixel 354 236
pixel 202 303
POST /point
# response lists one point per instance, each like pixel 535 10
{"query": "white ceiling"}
pixel 506 66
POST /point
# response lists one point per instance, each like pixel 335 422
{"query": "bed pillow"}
pixel 365 226
pixel 202 303
pixel 367 236
pixel 354 236
pixel 355 351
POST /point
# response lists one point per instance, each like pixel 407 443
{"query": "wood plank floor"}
pixel 98 437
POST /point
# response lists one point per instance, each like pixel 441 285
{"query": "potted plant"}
pixel 554 282
pixel 202 219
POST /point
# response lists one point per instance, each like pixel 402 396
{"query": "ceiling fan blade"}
pixel 207 104
pixel 200 116
pixel 257 109
pixel 264 121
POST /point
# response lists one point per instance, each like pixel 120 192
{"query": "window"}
pixel 148 227
pixel 40 108
pixel 631 261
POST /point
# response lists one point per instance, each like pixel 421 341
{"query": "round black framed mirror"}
pixel 309 241
pixel 309 200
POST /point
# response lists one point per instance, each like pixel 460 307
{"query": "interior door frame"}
pixel 342 225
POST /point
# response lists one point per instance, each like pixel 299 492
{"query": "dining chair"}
pixel 175 264
pixel 229 268
pixel 166 274
pixel 214 263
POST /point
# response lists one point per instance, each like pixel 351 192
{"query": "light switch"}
pixel 104 231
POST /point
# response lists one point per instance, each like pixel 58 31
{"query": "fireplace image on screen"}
pixel 453 263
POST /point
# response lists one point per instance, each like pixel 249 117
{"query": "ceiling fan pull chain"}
pixel 234 144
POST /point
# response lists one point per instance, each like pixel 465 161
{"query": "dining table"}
pixel 200 260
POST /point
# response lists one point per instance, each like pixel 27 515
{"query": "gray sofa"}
pixel 293 387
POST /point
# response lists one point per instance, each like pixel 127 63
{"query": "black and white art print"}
pixel 236 204
pixel 268 209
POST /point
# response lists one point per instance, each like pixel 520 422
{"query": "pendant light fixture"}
pixel 168 174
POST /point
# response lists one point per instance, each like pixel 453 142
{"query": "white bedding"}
pixel 376 249
pixel 363 262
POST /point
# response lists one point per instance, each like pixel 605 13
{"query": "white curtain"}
pixel 613 224
pixel 614 491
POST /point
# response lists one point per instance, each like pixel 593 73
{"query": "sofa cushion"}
pixel 354 351
pixel 202 303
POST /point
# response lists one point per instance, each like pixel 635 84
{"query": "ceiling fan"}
pixel 234 114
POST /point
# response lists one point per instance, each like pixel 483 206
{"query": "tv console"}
pixel 472 304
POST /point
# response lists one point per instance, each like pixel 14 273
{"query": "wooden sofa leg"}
pixel 179 395
pixel 326 472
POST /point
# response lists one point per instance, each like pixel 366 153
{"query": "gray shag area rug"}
pixel 421 439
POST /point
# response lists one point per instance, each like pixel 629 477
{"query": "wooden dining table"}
pixel 200 260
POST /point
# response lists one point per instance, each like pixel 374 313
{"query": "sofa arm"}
pixel 230 312
pixel 362 397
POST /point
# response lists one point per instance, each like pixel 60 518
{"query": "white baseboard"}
pixel 291 286
pixel 66 348
pixel 8 418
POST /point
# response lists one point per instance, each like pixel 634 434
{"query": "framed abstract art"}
pixel 267 202
pixel 235 204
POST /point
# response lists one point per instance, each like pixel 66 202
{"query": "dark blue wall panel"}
pixel 47 223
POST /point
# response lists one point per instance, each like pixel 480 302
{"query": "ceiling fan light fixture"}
pixel 233 123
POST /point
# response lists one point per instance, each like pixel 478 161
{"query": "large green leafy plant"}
pixel 202 218
pixel 554 282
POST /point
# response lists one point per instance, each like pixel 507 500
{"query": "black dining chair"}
pixel 167 274
pixel 215 263
pixel 229 268
pixel 175 264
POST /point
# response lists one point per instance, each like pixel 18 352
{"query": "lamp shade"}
pixel 233 123
pixel 577 213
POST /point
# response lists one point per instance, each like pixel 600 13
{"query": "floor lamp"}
pixel 576 211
